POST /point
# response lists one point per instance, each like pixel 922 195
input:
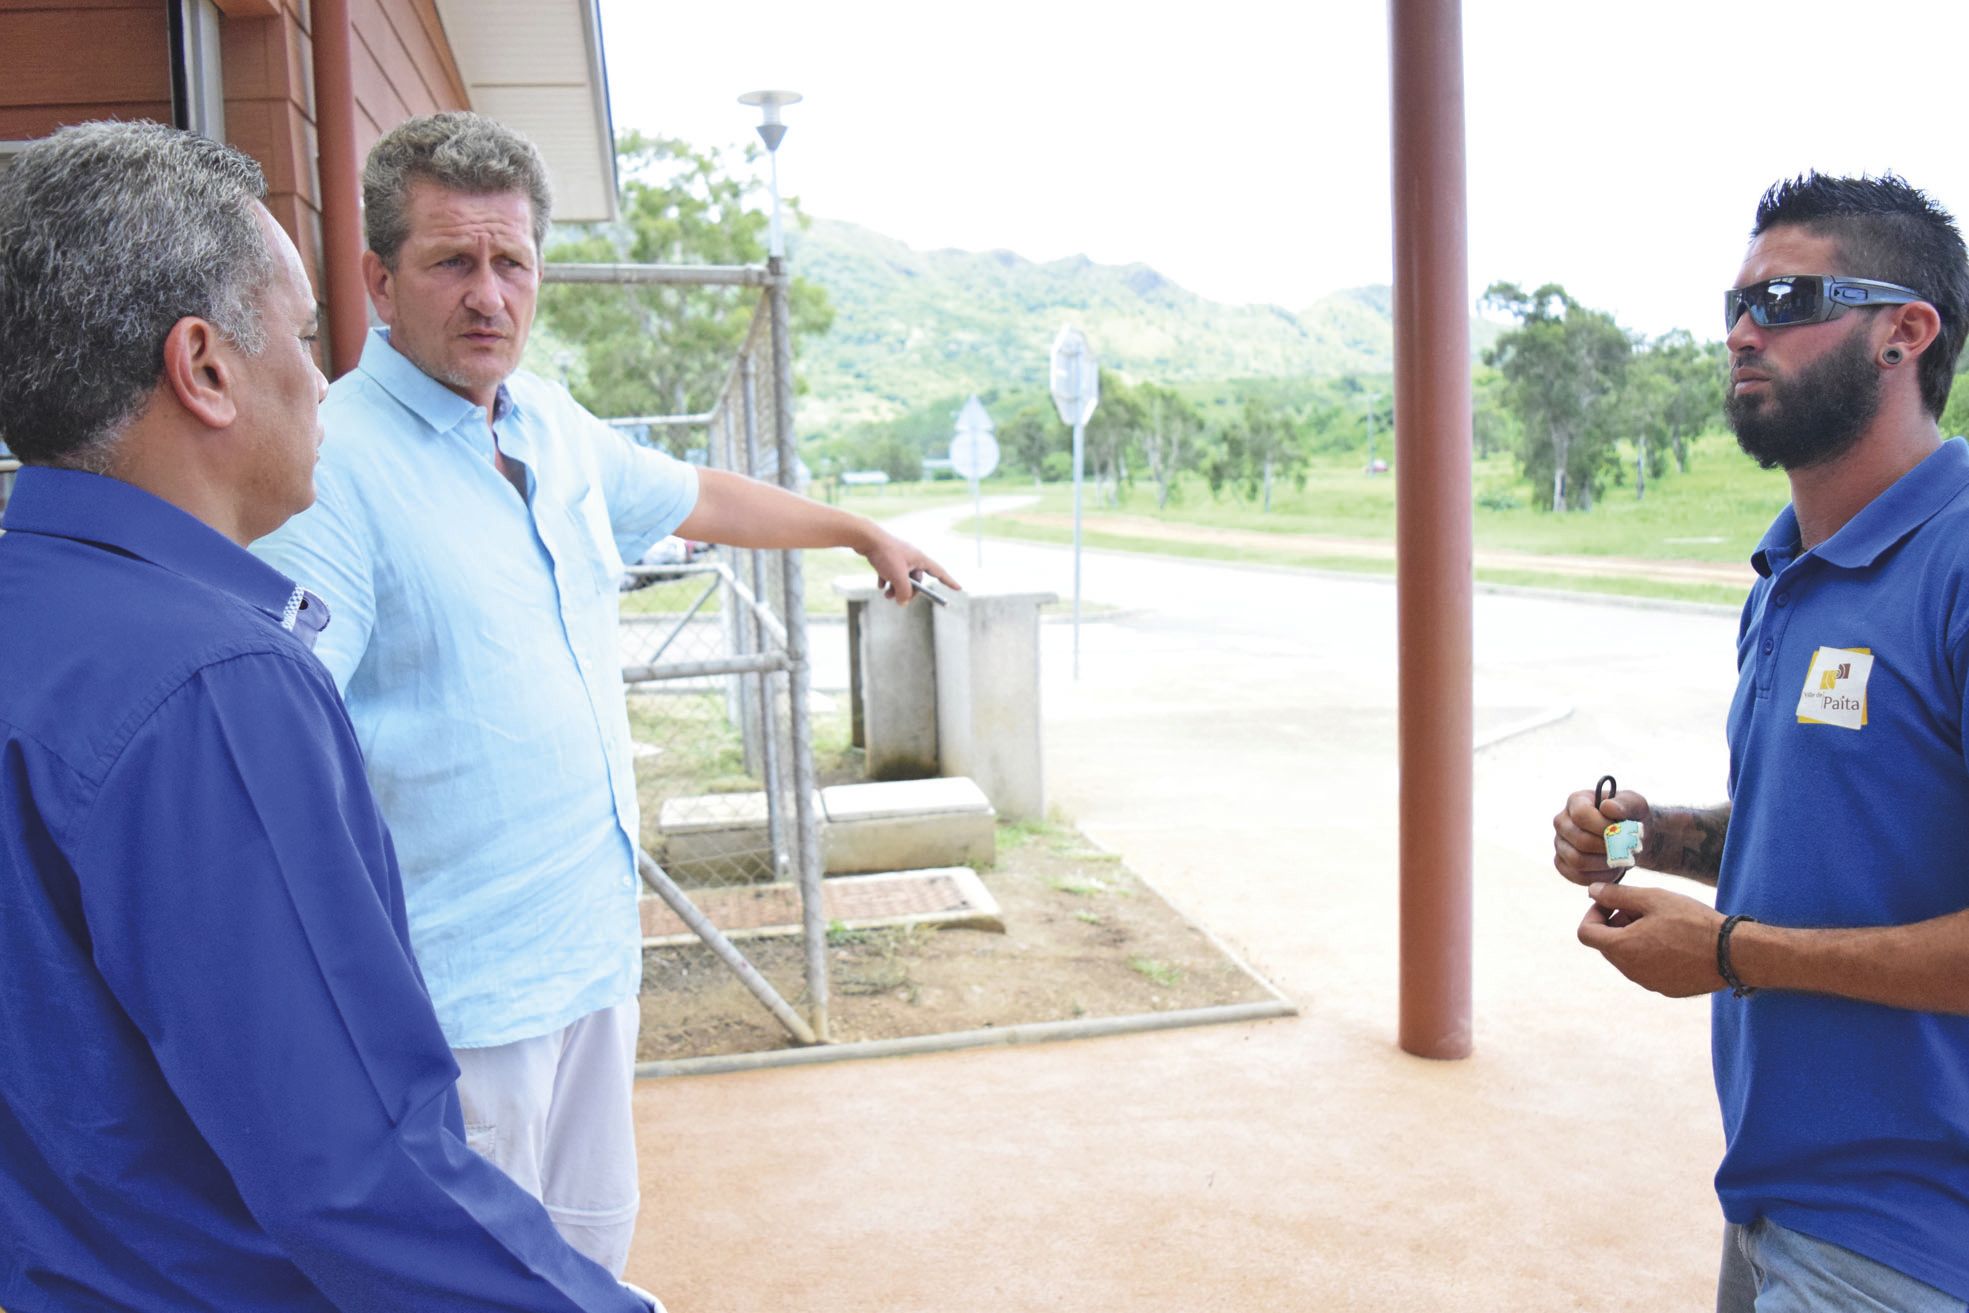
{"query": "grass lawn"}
pixel 1714 512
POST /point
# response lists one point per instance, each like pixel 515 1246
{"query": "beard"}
pixel 1812 417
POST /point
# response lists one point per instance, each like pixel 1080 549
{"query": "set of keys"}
pixel 1623 837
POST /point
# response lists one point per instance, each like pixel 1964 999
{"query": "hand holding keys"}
pixel 1623 837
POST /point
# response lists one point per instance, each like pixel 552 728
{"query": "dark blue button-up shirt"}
pixel 222 1085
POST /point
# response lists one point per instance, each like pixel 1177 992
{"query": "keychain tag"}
pixel 1623 843
pixel 1623 837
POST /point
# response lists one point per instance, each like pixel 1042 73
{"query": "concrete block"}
pixel 723 838
pixel 987 654
pixel 901 824
pixel 718 838
pixel 892 674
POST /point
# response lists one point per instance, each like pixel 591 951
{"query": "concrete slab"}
pixel 891 798
pixel 899 824
pixel 717 838
pixel 895 825
pixel 706 812
pixel 898 842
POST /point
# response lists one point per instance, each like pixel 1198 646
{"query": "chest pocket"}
pixel 593 563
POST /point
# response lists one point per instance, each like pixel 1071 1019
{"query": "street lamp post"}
pixel 799 669
pixel 770 132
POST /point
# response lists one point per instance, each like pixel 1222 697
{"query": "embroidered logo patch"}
pixel 1835 688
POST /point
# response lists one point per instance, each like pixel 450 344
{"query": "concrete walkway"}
pixel 1232 737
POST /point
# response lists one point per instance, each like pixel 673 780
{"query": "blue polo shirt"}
pixel 476 641
pixel 1848 1121
pixel 221 1082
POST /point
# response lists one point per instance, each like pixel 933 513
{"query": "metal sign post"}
pixel 974 454
pixel 1076 383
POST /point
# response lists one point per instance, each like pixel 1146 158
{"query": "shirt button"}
pixel 1768 645
pixel 1782 599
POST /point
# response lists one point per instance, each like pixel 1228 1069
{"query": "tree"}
pixel 668 350
pixel 1262 445
pixel 1169 438
pixel 1493 425
pixel 1562 367
pixel 1033 430
pixel 893 454
pixel 1112 434
pixel 1672 392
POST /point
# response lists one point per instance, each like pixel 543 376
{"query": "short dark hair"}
pixel 457 150
pixel 110 233
pixel 1890 231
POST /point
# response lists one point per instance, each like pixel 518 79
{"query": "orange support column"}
pixel 341 186
pixel 1432 524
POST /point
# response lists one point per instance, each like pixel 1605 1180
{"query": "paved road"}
pixel 1232 737
pixel 1258 702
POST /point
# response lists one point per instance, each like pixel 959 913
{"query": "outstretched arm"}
pixel 744 512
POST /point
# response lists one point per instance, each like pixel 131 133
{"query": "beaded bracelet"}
pixel 1737 988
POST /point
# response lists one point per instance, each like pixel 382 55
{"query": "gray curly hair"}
pixel 458 150
pixel 110 233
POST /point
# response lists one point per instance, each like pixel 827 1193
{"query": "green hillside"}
pixel 914 326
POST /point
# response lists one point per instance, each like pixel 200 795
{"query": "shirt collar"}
pixel 94 508
pixel 1906 505
pixel 428 399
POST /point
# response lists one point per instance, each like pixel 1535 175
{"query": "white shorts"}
pixel 553 1113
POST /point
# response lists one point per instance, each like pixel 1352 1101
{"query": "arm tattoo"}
pixel 1693 841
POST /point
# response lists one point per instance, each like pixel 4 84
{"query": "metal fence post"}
pixel 798 675
pixel 756 642
pixel 768 703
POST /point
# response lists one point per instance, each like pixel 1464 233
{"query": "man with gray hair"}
pixel 224 1086
pixel 472 523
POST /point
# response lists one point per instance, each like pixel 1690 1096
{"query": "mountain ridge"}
pixel 912 326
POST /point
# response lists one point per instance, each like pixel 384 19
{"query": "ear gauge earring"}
pixel 1892 356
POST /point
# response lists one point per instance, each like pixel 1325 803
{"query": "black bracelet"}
pixel 1737 988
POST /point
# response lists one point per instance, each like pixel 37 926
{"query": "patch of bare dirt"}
pixel 1084 938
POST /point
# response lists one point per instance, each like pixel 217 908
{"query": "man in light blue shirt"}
pixel 470 525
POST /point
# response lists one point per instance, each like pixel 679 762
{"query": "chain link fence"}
pixel 714 656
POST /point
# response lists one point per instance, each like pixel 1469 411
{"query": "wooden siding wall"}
pixel 268 67
pixel 403 66
pixel 65 61
pixel 77 60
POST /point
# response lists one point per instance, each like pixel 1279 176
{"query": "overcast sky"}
pixel 1241 148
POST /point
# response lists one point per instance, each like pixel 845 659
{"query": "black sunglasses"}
pixel 1808 299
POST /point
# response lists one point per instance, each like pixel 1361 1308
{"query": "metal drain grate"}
pixel 944 895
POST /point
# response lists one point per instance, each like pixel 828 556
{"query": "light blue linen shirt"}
pixel 474 640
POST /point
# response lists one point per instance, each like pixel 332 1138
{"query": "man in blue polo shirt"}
pixel 222 1085
pixel 1837 954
